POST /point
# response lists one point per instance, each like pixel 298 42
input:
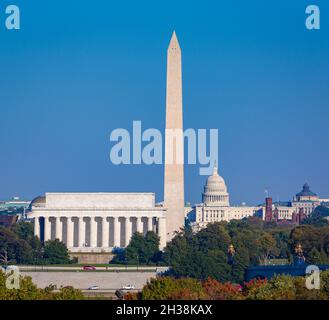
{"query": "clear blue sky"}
pixel 79 69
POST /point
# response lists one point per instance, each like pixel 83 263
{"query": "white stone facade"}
pixel 306 206
pixel 284 212
pixel 213 214
pixel 96 222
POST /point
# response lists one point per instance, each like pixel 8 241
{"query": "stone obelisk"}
pixel 174 142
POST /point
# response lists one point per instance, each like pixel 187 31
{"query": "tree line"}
pixel 29 291
pixel 278 288
pixel 205 253
pixel 18 245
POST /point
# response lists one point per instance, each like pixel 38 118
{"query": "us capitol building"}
pixel 215 205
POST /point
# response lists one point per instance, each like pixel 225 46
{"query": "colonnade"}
pixel 97 231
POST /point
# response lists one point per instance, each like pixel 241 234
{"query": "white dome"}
pixel 215 191
pixel 215 183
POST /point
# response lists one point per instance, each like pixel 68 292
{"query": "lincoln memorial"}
pixel 95 222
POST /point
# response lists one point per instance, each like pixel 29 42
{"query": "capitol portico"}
pixel 96 222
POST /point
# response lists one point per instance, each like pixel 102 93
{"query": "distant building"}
pixel 302 205
pixel 14 206
pixel 12 210
pixel 306 200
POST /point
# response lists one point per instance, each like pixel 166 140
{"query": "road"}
pixel 106 281
pixel 80 268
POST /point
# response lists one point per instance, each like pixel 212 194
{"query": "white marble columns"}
pixel 47 229
pixel 162 232
pixel 105 232
pixel 116 232
pixel 139 225
pixel 37 227
pixel 70 230
pixel 128 231
pixel 150 224
pixel 93 232
pixel 58 228
pixel 82 233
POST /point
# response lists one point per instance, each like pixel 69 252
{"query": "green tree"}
pixel 17 250
pixel 25 231
pixel 55 252
pixel 318 217
pixel 314 241
pixel 240 264
pixel 324 276
pixel 316 257
pixel 68 293
pixel 281 237
pixel 141 250
pixel 200 255
pixel 267 246
pixel 29 291
pixel 168 288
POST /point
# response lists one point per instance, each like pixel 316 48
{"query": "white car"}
pixel 128 287
pixel 9 268
pixel 93 288
pixel 12 268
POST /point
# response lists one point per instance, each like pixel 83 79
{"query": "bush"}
pixel 55 252
pixel 29 291
pixel 141 250
pixel 169 288
pixel 216 290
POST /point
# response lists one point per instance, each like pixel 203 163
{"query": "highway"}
pixel 106 281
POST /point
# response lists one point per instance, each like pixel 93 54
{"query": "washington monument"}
pixel 174 142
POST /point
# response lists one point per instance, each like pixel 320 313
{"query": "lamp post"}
pixel 230 254
pixel 299 255
pixel 137 261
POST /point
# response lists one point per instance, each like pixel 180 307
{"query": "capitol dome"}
pixel 215 190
